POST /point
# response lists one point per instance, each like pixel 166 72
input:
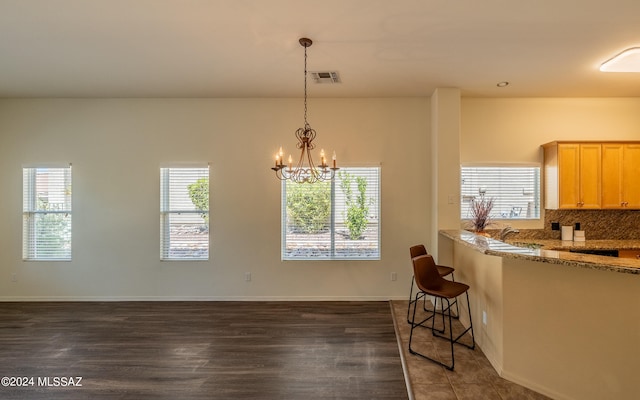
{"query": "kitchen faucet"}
pixel 506 231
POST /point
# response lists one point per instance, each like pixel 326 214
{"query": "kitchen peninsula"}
pixel 564 324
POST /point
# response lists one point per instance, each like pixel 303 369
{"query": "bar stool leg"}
pixel 450 338
pixel 457 316
pixel 411 301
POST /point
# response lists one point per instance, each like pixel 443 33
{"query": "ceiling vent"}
pixel 325 77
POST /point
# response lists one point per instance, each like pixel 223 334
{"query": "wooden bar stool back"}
pixel 420 250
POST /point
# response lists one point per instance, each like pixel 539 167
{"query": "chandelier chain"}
pixel 306 124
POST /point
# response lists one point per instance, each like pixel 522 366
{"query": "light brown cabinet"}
pixel 592 175
pixel 573 175
pixel 621 175
pixel 635 254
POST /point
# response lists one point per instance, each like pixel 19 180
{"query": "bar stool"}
pixel 420 250
pixel 430 283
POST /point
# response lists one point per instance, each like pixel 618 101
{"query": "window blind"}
pixel 184 213
pixel 46 199
pixel 515 190
pixel 333 220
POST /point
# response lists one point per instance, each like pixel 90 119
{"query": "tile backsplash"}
pixel 597 224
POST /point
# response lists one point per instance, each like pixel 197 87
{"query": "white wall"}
pixel 571 333
pixel 116 147
pixel 512 130
pixel 484 275
pixel 445 162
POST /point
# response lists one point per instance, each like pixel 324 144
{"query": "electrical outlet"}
pixel 484 317
pixel 14 277
pixel 394 276
pixel 247 276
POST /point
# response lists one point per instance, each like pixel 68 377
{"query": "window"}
pixel 184 213
pixel 515 190
pixel 333 220
pixel 46 214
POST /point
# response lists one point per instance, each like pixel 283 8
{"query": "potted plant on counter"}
pixel 480 209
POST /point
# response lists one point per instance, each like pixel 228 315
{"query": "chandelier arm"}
pixel 279 173
pixel 313 171
pixel 316 171
pixel 303 149
pixel 310 171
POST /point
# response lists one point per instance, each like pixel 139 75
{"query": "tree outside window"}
pixel 184 213
pixel 333 220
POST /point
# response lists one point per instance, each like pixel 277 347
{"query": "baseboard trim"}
pixel 534 386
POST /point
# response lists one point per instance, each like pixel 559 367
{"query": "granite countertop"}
pixel 565 245
pixel 553 251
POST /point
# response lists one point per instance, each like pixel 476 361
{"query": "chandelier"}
pixel 305 169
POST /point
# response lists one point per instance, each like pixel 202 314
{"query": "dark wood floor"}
pixel 208 350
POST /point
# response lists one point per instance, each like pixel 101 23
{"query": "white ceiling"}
pixel 249 48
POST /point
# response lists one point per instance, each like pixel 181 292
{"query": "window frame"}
pixel 536 194
pixel 166 212
pixel 31 211
pixel 333 251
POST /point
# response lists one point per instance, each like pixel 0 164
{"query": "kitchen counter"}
pixel 565 245
pixel 563 324
pixel 553 251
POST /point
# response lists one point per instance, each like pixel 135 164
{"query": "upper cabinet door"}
pixel 590 175
pixel 568 175
pixel 612 167
pixel 573 175
pixel 621 175
pixel 631 176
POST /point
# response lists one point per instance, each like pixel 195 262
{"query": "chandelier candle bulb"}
pixel 290 162
pixel 334 158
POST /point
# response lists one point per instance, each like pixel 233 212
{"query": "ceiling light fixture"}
pixel 309 173
pixel 627 61
pixel 502 84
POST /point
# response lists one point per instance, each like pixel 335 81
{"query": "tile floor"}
pixel 472 378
